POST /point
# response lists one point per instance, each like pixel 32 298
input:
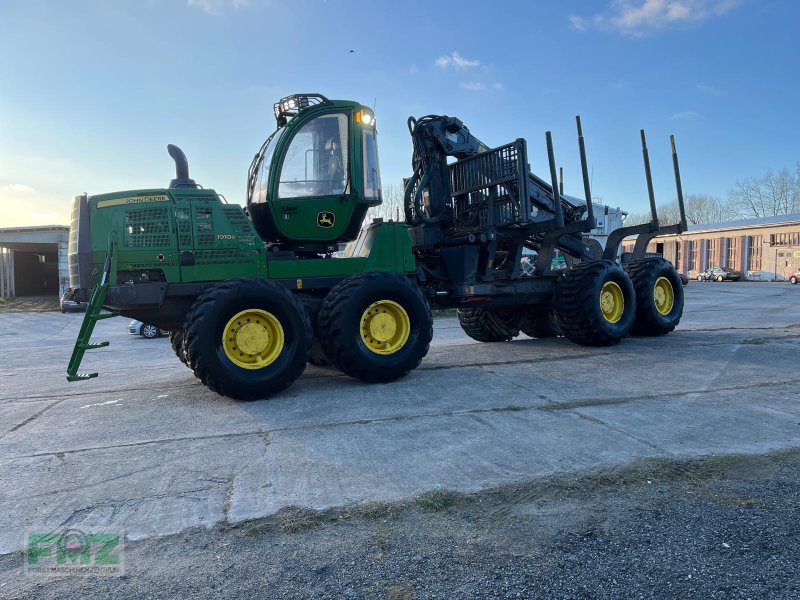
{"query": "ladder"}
pixel 94 313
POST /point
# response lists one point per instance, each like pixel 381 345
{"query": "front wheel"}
pixel 793 280
pixel 595 303
pixel 176 341
pixel 659 296
pixel 247 338
pixel 719 278
pixel 375 327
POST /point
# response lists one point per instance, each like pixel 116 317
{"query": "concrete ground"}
pixel 146 449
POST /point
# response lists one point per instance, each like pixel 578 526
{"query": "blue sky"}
pixel 92 91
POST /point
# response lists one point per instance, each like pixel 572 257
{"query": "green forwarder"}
pixel 251 295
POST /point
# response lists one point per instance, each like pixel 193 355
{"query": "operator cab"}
pixel 312 181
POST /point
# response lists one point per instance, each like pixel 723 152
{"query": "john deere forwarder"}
pixel 251 295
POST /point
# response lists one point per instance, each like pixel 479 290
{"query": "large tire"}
pixel 317 355
pixel 595 304
pixel 539 323
pixel 369 347
pixel 659 296
pixel 176 341
pixel 490 324
pixel 272 339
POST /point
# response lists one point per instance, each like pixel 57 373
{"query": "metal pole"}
pixel 561 180
pixel 558 219
pixel 678 185
pixel 11 283
pixel 587 191
pixel 649 177
pixel 2 273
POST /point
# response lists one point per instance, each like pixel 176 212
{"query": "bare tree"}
pixel 704 208
pixel 766 196
pixel 390 208
pixel 700 209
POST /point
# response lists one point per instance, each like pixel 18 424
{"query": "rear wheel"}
pixel 719 278
pixel 659 296
pixel 539 323
pixel 595 303
pixel 176 341
pixel 375 327
pixel 490 324
pixel 793 280
pixel 247 338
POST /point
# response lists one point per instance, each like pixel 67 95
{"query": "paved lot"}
pixel 147 449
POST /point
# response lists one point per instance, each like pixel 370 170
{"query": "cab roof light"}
pixel 291 106
pixel 362 116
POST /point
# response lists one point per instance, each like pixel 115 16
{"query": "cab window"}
pixel 316 160
pixel 372 170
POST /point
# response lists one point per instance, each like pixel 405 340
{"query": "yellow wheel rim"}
pixel 663 295
pixel 612 302
pixel 385 327
pixel 253 339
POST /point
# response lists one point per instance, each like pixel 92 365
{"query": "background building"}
pixel 33 261
pixel 763 249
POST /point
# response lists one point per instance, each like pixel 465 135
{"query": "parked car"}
pixel 719 274
pixel 145 330
pixel 794 278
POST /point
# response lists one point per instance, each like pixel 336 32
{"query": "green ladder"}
pixel 94 313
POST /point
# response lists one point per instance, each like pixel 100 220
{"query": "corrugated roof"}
pixel 755 222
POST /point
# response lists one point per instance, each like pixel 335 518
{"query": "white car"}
pixel 145 330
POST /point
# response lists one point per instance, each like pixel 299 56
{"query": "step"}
pixel 92 345
pixel 81 376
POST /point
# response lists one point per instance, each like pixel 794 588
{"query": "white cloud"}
pixel 216 7
pixel 455 60
pixel 637 17
pixel 17 188
pixel 684 116
pixel 710 89
pixel 473 86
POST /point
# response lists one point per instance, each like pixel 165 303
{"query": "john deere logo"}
pixel 326 219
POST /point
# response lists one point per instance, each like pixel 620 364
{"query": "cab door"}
pixel 313 192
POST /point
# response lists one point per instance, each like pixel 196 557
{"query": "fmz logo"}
pixel 326 219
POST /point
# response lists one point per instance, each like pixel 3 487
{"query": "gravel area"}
pixel 721 527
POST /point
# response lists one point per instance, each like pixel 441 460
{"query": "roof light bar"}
pixel 291 106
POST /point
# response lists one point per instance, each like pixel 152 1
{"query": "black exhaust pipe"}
pixel 182 179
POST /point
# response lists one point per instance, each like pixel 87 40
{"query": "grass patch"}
pixel 294 519
pixel 445 312
pixel 375 510
pixel 438 500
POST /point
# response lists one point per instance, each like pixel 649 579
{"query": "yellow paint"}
pixel 663 295
pixel 612 302
pixel 299 284
pixel 253 339
pixel 385 327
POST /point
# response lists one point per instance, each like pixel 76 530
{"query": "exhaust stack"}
pixel 182 179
